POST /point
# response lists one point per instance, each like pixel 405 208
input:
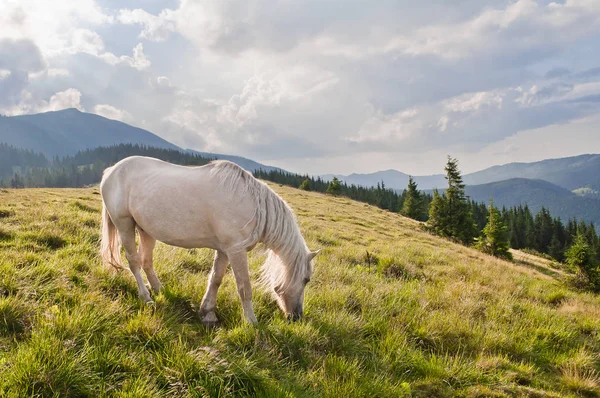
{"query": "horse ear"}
pixel 312 255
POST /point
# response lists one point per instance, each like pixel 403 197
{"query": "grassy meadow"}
pixel 391 311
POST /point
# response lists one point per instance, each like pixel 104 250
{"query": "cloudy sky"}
pixel 319 86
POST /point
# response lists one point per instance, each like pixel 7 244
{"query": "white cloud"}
pixel 89 42
pixel 110 112
pixel 155 28
pixel 521 26
pixel 58 72
pixel 50 24
pixel 28 103
pixel 311 80
pixel 385 128
pixel 163 81
pixel 70 98
pixel 473 101
pixel 443 123
pixel 138 61
pixel 557 93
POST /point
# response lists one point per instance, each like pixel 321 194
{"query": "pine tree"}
pixel 580 256
pixel 438 215
pixel 543 230
pixel 413 203
pixel 451 217
pixel 305 186
pixel 17 181
pixel 556 248
pixel 495 236
pixel 529 241
pixel 334 187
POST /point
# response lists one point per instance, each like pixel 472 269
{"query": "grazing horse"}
pixel 219 206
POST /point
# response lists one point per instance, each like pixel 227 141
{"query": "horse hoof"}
pixel 210 325
pixel 155 291
pixel 158 289
pixel 210 320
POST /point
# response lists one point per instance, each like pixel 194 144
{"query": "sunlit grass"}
pixel 390 311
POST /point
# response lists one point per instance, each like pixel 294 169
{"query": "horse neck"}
pixel 286 242
pixel 292 250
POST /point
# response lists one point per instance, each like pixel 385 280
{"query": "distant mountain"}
pixel 392 178
pixel 580 174
pixel 67 131
pixel 537 193
pixel 247 164
pixel 576 173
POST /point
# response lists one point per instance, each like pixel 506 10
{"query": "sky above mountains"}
pixel 319 86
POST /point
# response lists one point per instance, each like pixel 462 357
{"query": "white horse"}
pixel 218 206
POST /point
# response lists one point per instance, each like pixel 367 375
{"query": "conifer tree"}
pixel 334 187
pixel 460 219
pixel 452 215
pixel 580 256
pixel 495 236
pixel 413 203
pixel 543 230
pixel 305 185
pixel 438 215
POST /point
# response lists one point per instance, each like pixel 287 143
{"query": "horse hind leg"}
pixel 147 243
pixel 209 301
pixel 126 228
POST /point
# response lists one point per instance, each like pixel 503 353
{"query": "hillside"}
pixel 537 194
pixel 390 311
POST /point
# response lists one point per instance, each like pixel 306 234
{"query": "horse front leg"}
pixel 239 265
pixel 209 302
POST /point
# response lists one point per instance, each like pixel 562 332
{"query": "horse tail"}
pixel 110 245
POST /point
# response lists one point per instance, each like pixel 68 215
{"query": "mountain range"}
pixel 568 187
pixel 580 174
pixel 65 132
pixel 560 201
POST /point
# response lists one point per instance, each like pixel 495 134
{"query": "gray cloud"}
pixel 592 74
pixel 21 55
pixel 557 72
pixel 334 79
pixel 20 58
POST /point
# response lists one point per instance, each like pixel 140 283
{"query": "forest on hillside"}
pixel 540 232
pixel 21 168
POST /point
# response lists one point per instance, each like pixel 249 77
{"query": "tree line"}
pixel 453 215
pixel 450 214
pixel 379 195
pixel 20 168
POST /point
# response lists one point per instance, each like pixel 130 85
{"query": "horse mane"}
pixel 276 226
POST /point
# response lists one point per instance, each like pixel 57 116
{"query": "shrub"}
pixel 580 256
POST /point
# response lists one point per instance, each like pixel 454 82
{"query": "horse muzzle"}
pixel 294 316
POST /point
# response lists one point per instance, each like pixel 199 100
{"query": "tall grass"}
pixel 390 311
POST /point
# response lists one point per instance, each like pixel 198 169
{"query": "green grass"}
pixel 390 311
